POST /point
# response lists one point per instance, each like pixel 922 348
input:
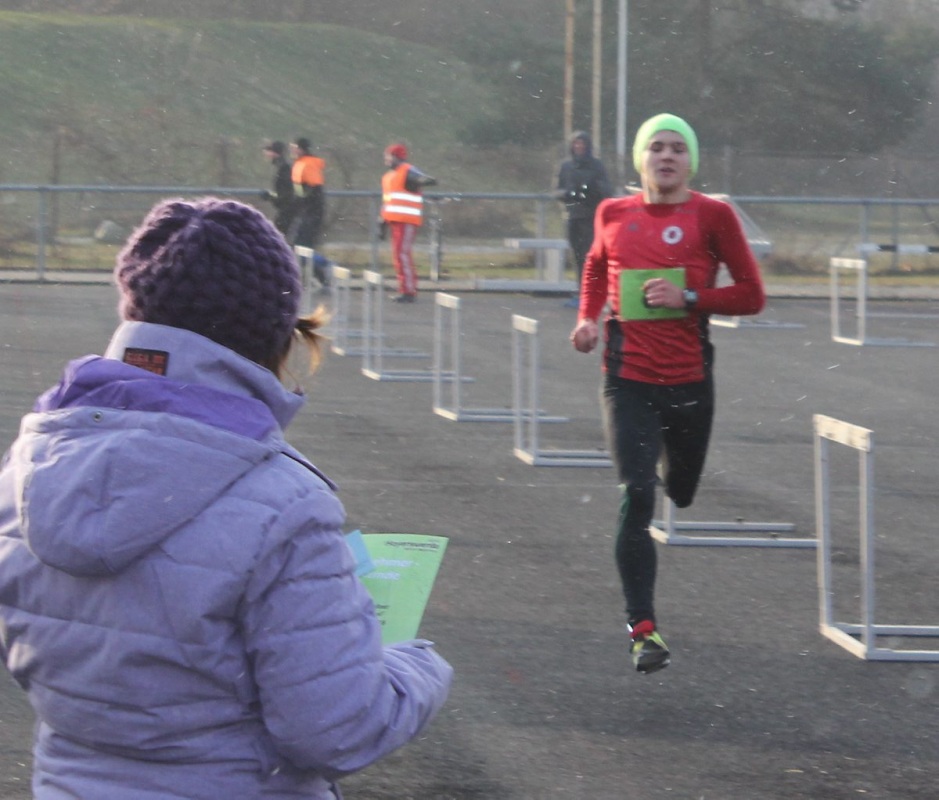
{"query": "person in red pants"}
pixel 402 211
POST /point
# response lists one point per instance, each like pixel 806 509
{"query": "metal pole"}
pixel 864 222
pixel 374 208
pixel 623 29
pixel 868 602
pixel 42 216
pixel 597 71
pixel 895 260
pixel 823 531
pixel 569 71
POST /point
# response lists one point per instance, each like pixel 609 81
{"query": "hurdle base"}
pixel 902 314
pixel 563 458
pixel 490 415
pixel 660 533
pixel 846 635
pixel 399 352
pixel 412 375
pixel 666 531
pixel 880 342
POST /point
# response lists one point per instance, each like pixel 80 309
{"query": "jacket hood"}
pixel 114 459
pixel 584 137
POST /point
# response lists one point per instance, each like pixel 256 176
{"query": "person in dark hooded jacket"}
pixel 281 193
pixel 582 184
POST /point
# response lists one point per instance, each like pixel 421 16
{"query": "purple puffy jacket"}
pixel 176 594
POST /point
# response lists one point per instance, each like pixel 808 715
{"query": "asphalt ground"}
pixel 527 607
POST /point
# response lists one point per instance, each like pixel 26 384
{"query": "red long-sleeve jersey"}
pixel 700 235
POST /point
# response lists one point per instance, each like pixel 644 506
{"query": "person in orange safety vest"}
pixel 402 212
pixel 307 175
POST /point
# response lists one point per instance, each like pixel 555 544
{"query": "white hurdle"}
pixel 738 321
pixel 305 263
pixel 340 332
pixel 525 404
pixel 447 308
pixel 859 267
pixel 859 639
pixel 900 249
pixel 666 530
pixel 373 350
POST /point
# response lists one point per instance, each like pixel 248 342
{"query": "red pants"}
pixel 402 241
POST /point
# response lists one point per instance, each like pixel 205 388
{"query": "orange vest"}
pixel 397 203
pixel 307 171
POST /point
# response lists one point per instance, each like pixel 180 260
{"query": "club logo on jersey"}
pixel 672 234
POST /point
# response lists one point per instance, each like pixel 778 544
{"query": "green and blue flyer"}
pixel 404 568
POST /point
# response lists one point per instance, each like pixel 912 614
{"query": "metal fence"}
pixel 896 235
pixel 46 229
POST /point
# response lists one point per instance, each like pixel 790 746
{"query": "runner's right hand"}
pixel 585 335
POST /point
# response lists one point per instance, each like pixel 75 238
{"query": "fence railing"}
pixel 799 233
pixel 846 226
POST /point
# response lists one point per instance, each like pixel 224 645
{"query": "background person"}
pixel 402 210
pixel 176 593
pixel 323 271
pixel 658 390
pixel 308 175
pixel 281 193
pixel 582 184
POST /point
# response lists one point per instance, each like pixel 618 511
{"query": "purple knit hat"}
pixel 215 267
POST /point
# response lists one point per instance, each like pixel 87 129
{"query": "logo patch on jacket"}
pixel 155 361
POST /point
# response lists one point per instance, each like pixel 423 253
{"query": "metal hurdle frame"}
pixel 867 248
pixel 859 266
pixel 859 639
pixel 448 306
pixel 666 531
pixel 525 404
pixel 373 349
pixel 738 321
pixel 340 332
pixel 305 263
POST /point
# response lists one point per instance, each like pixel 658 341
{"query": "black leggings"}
pixel 646 423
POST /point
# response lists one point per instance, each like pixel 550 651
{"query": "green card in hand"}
pixel 406 566
pixel 631 296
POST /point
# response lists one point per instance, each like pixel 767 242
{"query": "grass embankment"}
pixel 164 103
pixel 121 101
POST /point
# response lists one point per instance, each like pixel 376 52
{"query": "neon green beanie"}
pixel 665 122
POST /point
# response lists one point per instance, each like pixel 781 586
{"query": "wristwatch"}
pixel 691 298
